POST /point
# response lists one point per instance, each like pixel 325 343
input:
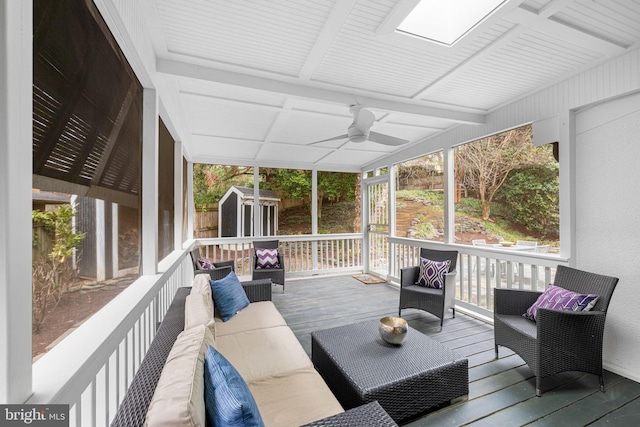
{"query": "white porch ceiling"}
pixel 258 80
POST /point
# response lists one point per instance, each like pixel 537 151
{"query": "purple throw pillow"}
pixel 558 298
pixel 267 258
pixel 205 264
pixel 432 273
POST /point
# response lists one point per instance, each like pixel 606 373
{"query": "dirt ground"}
pixel 75 308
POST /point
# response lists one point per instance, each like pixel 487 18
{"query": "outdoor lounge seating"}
pixel 275 273
pixel 433 300
pixel 287 389
pixel 557 341
pixel 197 268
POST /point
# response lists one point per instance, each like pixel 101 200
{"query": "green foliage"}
pixel 295 183
pixel 425 230
pixel 532 199
pixel 58 222
pixel 52 277
pixel 211 182
pixel 335 186
pixel 433 197
pixel 505 231
pixel 469 204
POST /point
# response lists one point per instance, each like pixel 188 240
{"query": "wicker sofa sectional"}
pixel 167 390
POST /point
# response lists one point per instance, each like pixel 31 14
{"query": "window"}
pixel 87 135
pixel 446 21
pixel 165 191
pixel 338 202
pixel 420 198
pixel 285 201
pixel 507 189
pixel 225 192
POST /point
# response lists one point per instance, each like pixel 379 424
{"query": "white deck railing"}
pixel 92 368
pixel 303 254
pixel 480 270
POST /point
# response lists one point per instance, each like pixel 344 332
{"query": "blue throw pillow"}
pixel 228 296
pixel 228 400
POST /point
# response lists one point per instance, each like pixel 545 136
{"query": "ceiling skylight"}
pixel 446 21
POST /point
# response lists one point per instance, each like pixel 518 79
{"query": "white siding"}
pixel 607 230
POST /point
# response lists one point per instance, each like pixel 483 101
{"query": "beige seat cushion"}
pixel 257 315
pixel 201 284
pixel 263 353
pixel 198 310
pixel 294 398
pixel 179 396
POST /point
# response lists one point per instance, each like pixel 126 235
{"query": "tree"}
pixel 294 183
pixel 53 276
pixel 211 182
pixel 485 164
pixel 334 186
pixel 532 196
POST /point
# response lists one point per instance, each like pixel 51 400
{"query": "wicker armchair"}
pixel 558 341
pixel 434 301
pixel 275 274
pixel 197 269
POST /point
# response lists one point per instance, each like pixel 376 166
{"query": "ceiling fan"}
pixel 359 130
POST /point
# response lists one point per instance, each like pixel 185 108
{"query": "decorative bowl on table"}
pixel 507 244
pixel 393 329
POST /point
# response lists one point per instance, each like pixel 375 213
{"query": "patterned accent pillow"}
pixel 267 258
pixel 432 273
pixel 559 298
pixel 205 264
pixel 228 400
pixel 228 296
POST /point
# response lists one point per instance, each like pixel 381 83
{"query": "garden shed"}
pixel 235 212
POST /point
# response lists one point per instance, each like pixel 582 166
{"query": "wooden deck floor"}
pixel 501 392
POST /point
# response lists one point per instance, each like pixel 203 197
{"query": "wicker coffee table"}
pixel 359 367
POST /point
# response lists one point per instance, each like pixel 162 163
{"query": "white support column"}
pixel 115 257
pixel 177 196
pixel 314 218
pixel 101 242
pixel 256 211
pixel 567 156
pixel 149 182
pixel 190 204
pixel 391 203
pixel 364 223
pixel 392 200
pixel 15 199
pixel 449 192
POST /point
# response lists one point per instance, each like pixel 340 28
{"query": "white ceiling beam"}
pixel 233 161
pixel 329 32
pixel 183 69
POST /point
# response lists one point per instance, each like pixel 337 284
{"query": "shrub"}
pixel 531 196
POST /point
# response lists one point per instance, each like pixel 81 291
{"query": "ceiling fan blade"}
pixel 364 119
pixel 381 138
pixel 335 138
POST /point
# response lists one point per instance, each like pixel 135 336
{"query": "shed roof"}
pixel 247 193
